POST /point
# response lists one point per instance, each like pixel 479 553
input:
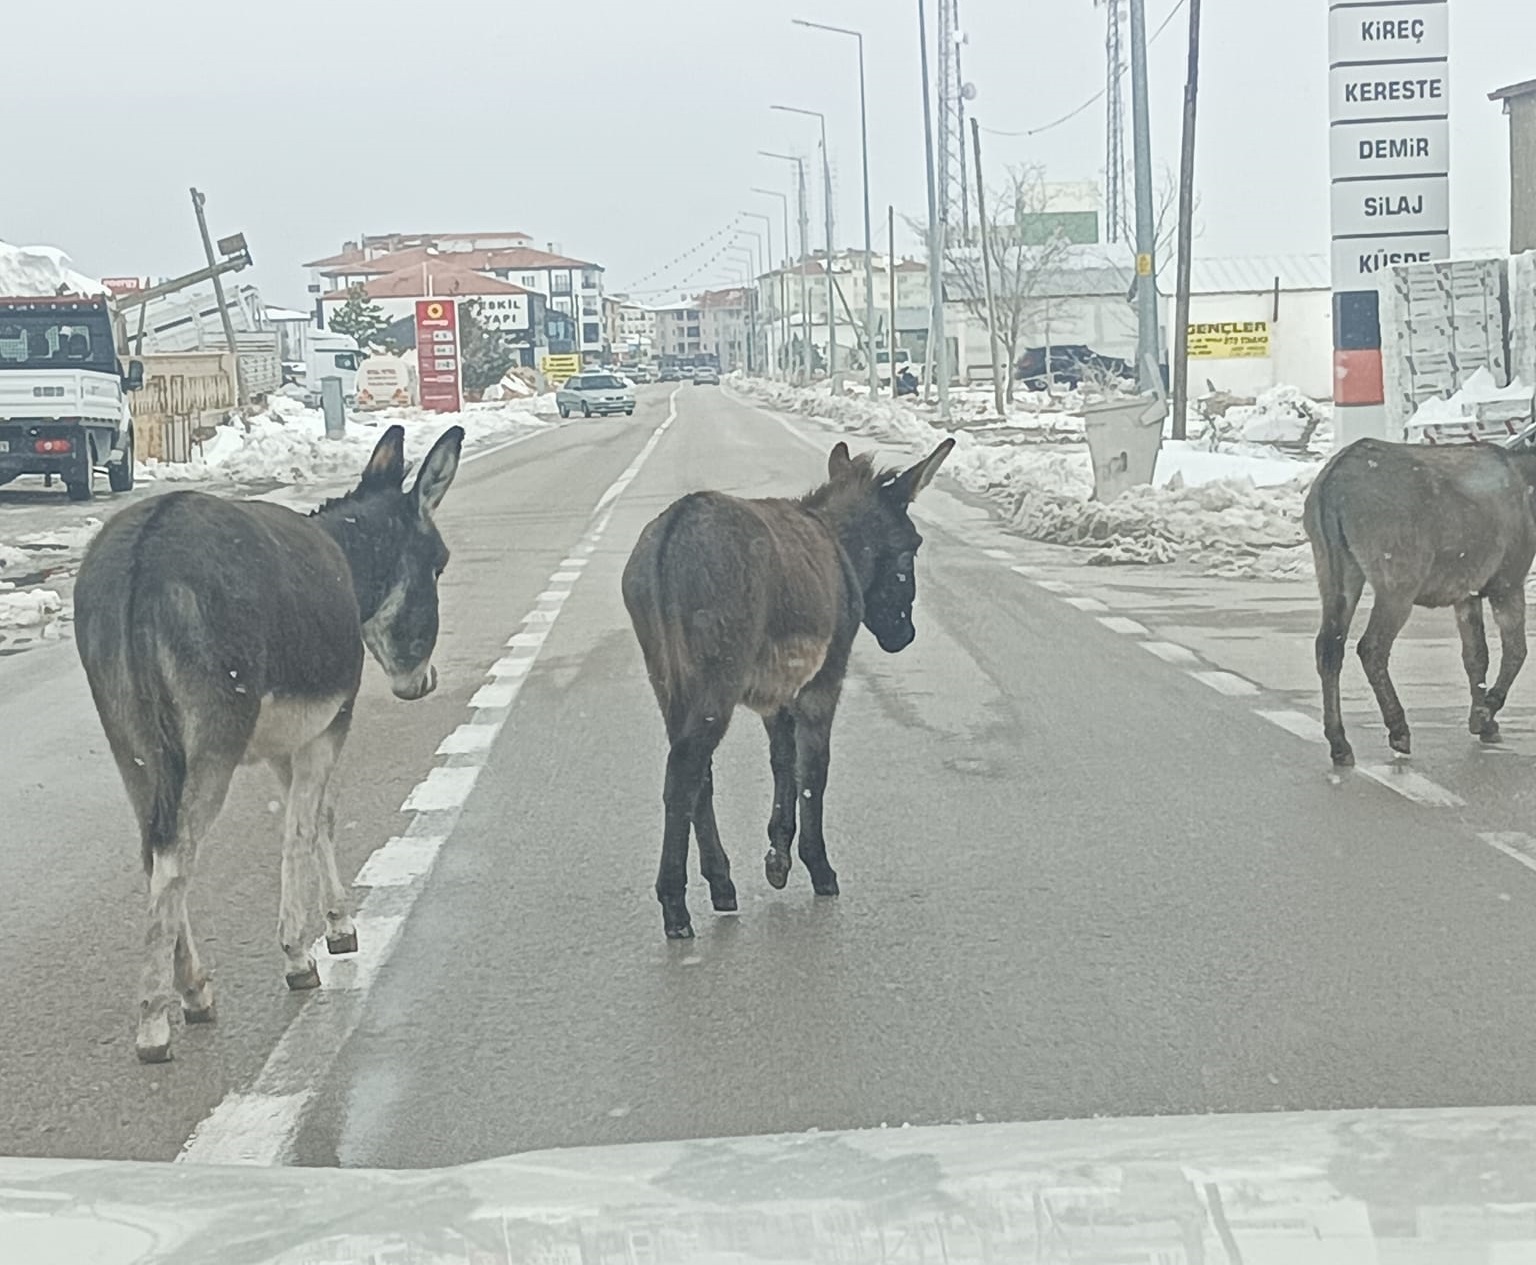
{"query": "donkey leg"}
pixel 713 863
pixel 340 930
pixel 687 767
pixel 1509 614
pixel 814 709
pixel 1474 658
pixel 1388 615
pixel 1341 595
pixel 298 921
pixel 781 825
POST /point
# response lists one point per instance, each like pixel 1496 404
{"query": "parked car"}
pixel 641 373
pixel 669 373
pixel 595 393
pixel 705 374
pixel 1071 365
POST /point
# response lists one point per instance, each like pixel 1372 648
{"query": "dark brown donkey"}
pixel 1427 527
pixel 758 602
pixel 216 633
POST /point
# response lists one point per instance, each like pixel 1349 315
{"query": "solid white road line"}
pixel 1120 624
pixel 1228 683
pixel 1411 784
pixel 1294 722
pixel 258 1125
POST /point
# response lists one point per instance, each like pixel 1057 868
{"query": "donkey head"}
pixel 884 541
pixel 396 555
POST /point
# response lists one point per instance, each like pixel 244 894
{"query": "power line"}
pixel 1096 97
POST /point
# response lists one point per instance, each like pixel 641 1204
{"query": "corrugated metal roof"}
pixel 1252 274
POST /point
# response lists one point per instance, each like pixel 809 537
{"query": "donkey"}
pixel 758 602
pixel 1427 527
pixel 216 633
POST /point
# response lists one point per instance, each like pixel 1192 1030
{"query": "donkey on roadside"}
pixel 1427 527
pixel 757 602
pixel 216 633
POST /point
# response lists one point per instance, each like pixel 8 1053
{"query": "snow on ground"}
pixel 1233 509
pixel 287 444
pixel 28 608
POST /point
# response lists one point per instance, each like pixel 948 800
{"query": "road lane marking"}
pixel 1171 652
pixel 998 555
pixel 258 1124
pixel 1228 683
pixel 1294 722
pixel 1515 844
pixel 1091 605
pixel 1120 624
pixel 1058 587
pixel 1411 784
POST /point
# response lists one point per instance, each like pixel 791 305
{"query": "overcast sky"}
pixel 627 131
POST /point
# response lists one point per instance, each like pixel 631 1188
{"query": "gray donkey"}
pixel 216 633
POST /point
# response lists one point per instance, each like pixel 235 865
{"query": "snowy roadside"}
pixel 1229 507
pixel 284 447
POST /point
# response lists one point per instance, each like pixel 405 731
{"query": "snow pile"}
pixel 1281 415
pixel 39 271
pixel 1470 404
pixel 287 444
pixel 29 608
pixel 1223 509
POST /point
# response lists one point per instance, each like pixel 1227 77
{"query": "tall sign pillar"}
pixel 1389 148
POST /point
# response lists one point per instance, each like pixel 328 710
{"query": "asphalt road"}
pixel 1076 879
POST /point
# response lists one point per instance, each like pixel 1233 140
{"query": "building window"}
pixel 530 282
pixel 560 282
pixel 693 331
pixel 589 278
pixel 590 334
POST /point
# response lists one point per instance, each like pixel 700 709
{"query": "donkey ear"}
pixel 386 468
pixel 839 464
pixel 910 482
pixel 437 471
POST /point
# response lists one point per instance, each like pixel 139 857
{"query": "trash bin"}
pixel 1124 437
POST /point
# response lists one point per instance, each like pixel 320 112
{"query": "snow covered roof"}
pixel 505 259
pixel 41 271
pixel 288 314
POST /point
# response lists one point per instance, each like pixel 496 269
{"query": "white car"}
pixel 592 394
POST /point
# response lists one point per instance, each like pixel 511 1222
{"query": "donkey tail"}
pixel 1323 521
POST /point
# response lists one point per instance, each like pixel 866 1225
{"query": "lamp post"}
pixel 783 273
pixel 826 197
pixel 758 270
pixel 869 269
pixel 805 306
pixel 745 253
pixel 939 346
pixel 769 265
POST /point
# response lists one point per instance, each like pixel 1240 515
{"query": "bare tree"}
pixel 1026 251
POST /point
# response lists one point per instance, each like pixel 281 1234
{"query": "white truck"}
pixel 64 392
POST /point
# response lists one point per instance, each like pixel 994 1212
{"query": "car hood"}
pixel 1364 1186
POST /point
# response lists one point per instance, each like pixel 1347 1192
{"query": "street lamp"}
pixel 869 270
pixel 758 270
pixel 784 274
pixel 805 306
pixel 768 259
pixel 826 197
pixel 745 253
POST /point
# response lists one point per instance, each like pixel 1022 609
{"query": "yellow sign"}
pixel 1143 265
pixel 1229 340
pixel 558 368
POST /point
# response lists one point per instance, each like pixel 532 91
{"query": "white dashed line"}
pixel 1090 604
pixel 997 555
pixel 1293 722
pixel 1514 844
pixel 1411 784
pixel 1029 573
pixel 1059 587
pixel 258 1124
pixel 1171 652
pixel 1120 624
pixel 1228 683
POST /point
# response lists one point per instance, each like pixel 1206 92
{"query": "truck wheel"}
pixel 83 485
pixel 79 491
pixel 120 474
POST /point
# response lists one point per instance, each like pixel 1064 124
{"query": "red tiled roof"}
pixel 406 241
pixel 440 279
pixel 475 260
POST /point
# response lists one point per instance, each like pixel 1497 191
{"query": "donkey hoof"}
pixel 1399 743
pixel 724 901
pixel 153 1041
pixel 204 1015
pixel 343 942
pixel 1490 733
pixel 685 932
pixel 298 981
pixel 825 886
pixel 776 868
pixel 153 1053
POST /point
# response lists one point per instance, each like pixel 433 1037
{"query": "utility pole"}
pixel 938 346
pixel 805 228
pixel 890 274
pixel 986 270
pixel 1147 357
pixel 826 195
pixel 1186 230
pixel 218 297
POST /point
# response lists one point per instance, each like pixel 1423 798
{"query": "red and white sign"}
pixel 437 355
pixel 125 285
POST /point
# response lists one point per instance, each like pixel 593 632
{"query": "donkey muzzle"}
pixel 416 684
